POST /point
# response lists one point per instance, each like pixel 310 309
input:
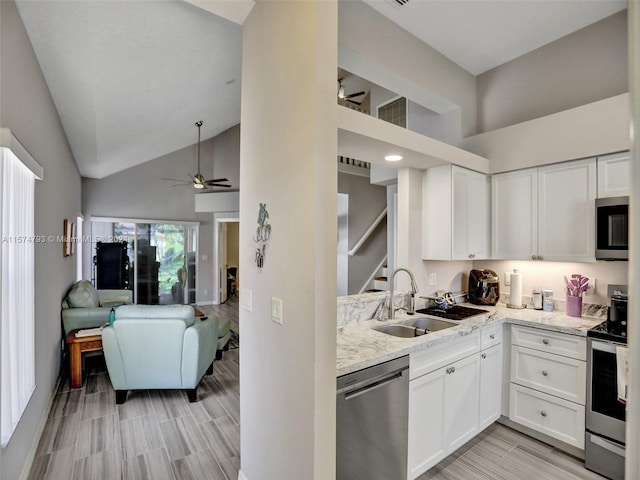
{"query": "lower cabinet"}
pixel 490 386
pixel 443 412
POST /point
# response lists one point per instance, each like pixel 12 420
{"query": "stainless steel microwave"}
pixel 612 228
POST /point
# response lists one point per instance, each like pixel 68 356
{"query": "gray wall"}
pixel 27 109
pixel 140 192
pixel 366 201
pixel 584 67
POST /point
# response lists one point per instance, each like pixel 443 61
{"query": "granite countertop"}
pixel 358 346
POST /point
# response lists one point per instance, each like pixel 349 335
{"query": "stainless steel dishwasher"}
pixel 372 420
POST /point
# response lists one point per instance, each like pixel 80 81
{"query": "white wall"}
pixel 580 68
pixel 376 49
pixel 140 192
pixel 27 109
pixel 288 161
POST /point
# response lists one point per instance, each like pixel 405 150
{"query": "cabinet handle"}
pixel 450 370
pixel 539 257
pixel 544 373
pixel 472 255
pixel 533 257
pixel 492 336
pixel 543 413
pixel 545 341
pixel 484 355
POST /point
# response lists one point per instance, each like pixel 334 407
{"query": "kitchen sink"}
pixel 404 331
pixel 429 324
pixel 415 327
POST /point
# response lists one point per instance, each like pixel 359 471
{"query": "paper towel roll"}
pixel 515 296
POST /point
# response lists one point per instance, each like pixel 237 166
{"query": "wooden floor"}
pixel 158 435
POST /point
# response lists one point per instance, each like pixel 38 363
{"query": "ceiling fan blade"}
pixel 215 180
pixel 354 102
pixel 355 94
pixel 181 184
pixel 218 185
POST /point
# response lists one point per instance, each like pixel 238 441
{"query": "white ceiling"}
pixel 130 78
pixel 479 35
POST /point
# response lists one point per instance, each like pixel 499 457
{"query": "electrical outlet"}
pixel 433 281
pixel 592 287
pixel 507 278
pixel 276 310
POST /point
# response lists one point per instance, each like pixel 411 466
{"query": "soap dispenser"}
pixel 112 317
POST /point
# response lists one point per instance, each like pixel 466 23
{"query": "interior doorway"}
pixel 228 230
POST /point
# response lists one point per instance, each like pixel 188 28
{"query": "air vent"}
pixel 394 112
pixel 398 3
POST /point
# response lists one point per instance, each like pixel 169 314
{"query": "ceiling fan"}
pixel 347 98
pixel 198 181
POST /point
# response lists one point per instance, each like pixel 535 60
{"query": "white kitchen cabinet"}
pixel 443 412
pixel 455 214
pixel 490 386
pixel 566 211
pixel 545 213
pixel 514 215
pixel 613 175
pixel 548 383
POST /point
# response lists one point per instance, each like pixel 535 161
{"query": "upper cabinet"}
pixel 455 214
pixel 545 213
pixel 613 175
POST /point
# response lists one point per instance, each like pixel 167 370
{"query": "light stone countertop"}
pixel 358 346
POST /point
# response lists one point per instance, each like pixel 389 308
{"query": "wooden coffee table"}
pixel 78 346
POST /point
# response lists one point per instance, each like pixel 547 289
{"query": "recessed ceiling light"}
pixel 393 158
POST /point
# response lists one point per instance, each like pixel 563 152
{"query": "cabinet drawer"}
pixel 547 414
pixel 560 376
pixel 547 341
pixel 430 359
pixel 490 336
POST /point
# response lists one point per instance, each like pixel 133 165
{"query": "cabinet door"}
pixel 514 215
pixel 613 175
pixel 471 193
pixel 490 386
pixel 566 211
pixel 437 205
pixel 461 397
pixel 426 422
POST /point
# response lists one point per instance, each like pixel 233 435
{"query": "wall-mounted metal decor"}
pixel 263 232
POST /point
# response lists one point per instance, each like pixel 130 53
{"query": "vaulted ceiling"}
pixel 130 78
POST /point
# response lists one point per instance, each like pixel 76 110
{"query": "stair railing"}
pixel 368 233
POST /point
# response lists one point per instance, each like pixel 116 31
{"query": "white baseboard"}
pixel 242 476
pixel 209 302
pixel 28 462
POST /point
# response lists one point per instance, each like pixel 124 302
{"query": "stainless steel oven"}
pixel 605 415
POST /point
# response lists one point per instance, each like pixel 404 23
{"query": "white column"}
pixel 288 150
pixel 633 406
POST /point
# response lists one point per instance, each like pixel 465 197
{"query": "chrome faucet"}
pixel 411 308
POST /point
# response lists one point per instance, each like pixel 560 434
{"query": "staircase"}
pixel 379 283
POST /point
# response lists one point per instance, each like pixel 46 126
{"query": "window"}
pixel 17 296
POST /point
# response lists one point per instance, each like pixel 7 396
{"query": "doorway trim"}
pixel 218 219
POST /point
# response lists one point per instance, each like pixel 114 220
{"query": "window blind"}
pixel 17 296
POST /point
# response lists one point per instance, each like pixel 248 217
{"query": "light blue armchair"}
pixel 158 347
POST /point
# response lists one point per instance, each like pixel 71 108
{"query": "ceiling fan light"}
pixel 199 186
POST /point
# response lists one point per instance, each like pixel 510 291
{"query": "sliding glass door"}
pixel 162 258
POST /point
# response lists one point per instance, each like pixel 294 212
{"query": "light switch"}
pixel 246 299
pixel 432 280
pixel 507 278
pixel 276 310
